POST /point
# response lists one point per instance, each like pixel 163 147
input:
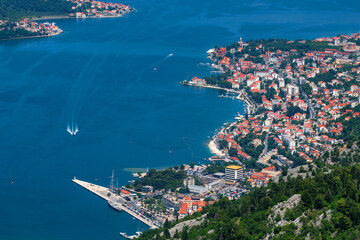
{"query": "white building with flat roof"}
pixel 234 173
pixel 216 184
pixel 292 89
pixel 197 189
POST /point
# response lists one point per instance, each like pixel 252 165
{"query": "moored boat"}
pixel 114 205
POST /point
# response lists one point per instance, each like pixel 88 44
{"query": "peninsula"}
pixel 13 28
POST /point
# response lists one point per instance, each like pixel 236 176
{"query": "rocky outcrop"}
pixel 189 223
pixel 326 216
pixel 277 217
pixel 280 209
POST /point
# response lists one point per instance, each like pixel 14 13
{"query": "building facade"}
pixel 233 173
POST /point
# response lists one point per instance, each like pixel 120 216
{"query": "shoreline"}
pixel 61 17
pixel 55 17
pixel 209 86
pixel 250 106
pixel 250 109
pixel 68 17
pixel 29 37
pixel 214 148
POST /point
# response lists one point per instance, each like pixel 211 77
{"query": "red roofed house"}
pixel 183 210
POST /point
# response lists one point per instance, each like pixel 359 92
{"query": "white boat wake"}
pixel 72 130
pixel 79 92
pixel 162 60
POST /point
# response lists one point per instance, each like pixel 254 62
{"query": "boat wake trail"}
pixel 151 67
pixel 79 93
pixel 72 128
pixel 162 60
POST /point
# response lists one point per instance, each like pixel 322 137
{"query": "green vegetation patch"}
pixel 247 218
pixel 162 179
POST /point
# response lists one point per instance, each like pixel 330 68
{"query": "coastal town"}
pixel 124 123
pixel 29 28
pixel 302 99
pixel 98 9
pixel 302 94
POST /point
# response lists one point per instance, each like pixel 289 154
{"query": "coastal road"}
pixel 266 143
pixel 311 110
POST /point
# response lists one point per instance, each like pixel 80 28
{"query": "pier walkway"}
pixel 102 192
pixel 251 106
pixel 210 86
pixel 106 194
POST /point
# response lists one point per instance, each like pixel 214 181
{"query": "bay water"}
pixel 117 80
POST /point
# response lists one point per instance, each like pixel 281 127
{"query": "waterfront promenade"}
pixel 121 204
pixel 210 86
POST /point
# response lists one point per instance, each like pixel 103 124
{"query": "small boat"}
pixel 155 69
pixel 114 205
pixel 124 235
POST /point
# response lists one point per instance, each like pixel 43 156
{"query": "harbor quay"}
pixel 102 192
pixel 117 202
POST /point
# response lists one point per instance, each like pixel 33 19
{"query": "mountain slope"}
pixel 324 206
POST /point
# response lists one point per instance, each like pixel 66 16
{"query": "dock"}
pixel 107 195
pixel 102 192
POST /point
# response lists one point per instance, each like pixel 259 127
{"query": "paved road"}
pixel 311 110
pixel 266 143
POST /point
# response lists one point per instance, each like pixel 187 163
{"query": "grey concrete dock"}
pixel 107 195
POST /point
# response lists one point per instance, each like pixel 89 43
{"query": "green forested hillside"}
pixel 247 218
pixel 18 9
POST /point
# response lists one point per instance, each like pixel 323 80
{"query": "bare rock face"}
pixel 295 172
pixel 277 217
pixel 280 209
pixel 190 223
pixel 327 216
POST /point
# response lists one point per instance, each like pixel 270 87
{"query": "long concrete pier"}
pixel 102 192
pixel 251 107
pixel 107 195
pixel 211 86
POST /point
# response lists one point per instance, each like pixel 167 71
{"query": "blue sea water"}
pixel 99 74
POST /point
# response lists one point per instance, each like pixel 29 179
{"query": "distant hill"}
pixel 18 9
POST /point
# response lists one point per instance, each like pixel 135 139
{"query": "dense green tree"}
pixel 184 233
pixel 247 218
pixel 163 179
pixel 167 233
